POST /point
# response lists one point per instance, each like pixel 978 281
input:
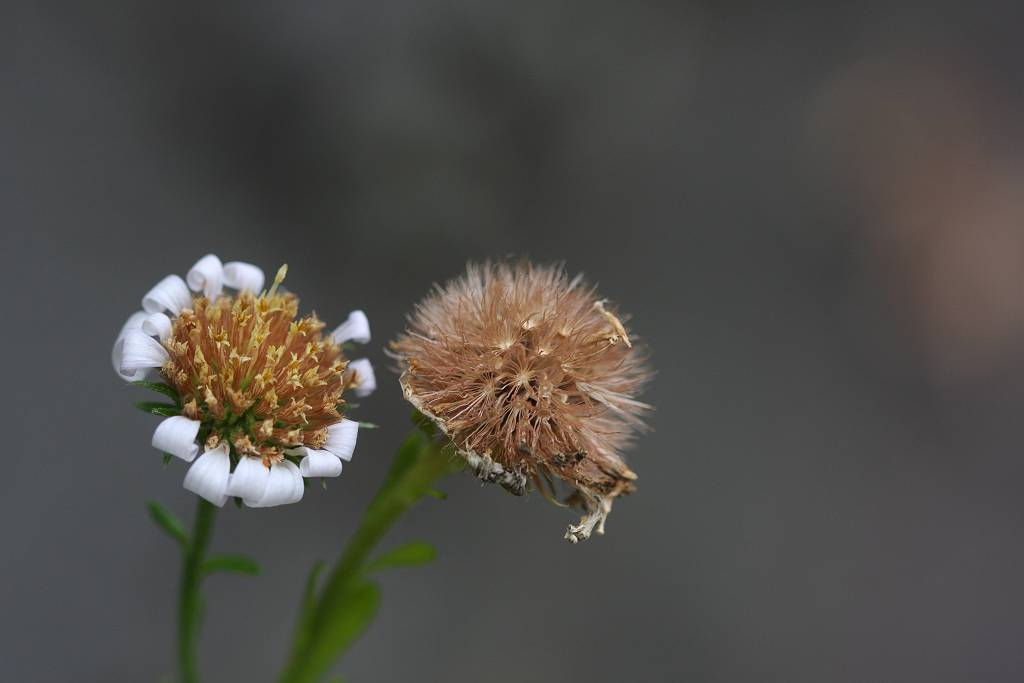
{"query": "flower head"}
pixel 533 377
pixel 255 384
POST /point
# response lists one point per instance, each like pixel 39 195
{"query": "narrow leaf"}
pixel 307 609
pixel 405 458
pixel 167 457
pixel 163 409
pixel 160 388
pixel 341 624
pixel 424 424
pixel 409 555
pixel 235 564
pixel 166 520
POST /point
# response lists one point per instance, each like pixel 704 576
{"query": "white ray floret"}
pixel 249 480
pixel 243 276
pixel 208 476
pixel 139 351
pixel 356 328
pixel 157 325
pixel 177 435
pixel 140 347
pixel 284 486
pixel 117 353
pixel 170 294
pixel 366 381
pixel 341 438
pixel 317 463
pixel 207 276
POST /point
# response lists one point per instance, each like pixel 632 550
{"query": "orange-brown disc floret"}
pixel 252 373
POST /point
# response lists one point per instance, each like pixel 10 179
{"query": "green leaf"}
pixel 424 424
pixel 162 409
pixel 341 624
pixel 167 457
pixel 166 520
pixel 409 555
pixel 434 493
pixel 235 564
pixel 160 388
pixel 405 457
pixel 307 609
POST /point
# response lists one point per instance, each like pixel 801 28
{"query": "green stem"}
pixel 418 465
pixel 190 602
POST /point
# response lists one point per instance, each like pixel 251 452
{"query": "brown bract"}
pixel 533 377
pixel 255 375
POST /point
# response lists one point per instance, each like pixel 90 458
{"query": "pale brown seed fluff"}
pixel 255 374
pixel 533 377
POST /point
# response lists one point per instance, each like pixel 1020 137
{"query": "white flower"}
pixel 208 476
pixel 133 323
pixel 207 275
pixel 341 439
pixel 203 339
pixel 242 276
pixel 249 480
pixel 284 486
pixel 177 435
pixel 356 328
pixel 317 463
pixel 366 381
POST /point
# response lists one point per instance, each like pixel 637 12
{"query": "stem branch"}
pixel 190 606
pixel 418 465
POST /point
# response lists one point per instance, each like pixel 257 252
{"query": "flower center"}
pixel 255 375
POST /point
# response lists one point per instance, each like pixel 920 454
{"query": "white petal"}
pixel 177 436
pixel 140 351
pixel 366 381
pixel 157 325
pixel 170 294
pixel 283 486
pixel 243 276
pixel 206 275
pixel 249 480
pixel 298 486
pixel 341 438
pixel 319 464
pixel 117 353
pixel 208 476
pixel 356 328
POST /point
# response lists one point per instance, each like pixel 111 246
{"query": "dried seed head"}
pixel 533 378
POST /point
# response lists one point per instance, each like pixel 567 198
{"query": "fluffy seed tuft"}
pixel 533 378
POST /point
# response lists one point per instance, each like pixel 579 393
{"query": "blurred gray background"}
pixel 812 213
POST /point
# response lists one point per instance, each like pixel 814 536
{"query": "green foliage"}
pixel 167 457
pixel 167 522
pixel 235 564
pixel 329 622
pixel 405 458
pixel 408 555
pixel 160 388
pixel 162 409
pixel 307 608
pixel 341 625
pixel 424 424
